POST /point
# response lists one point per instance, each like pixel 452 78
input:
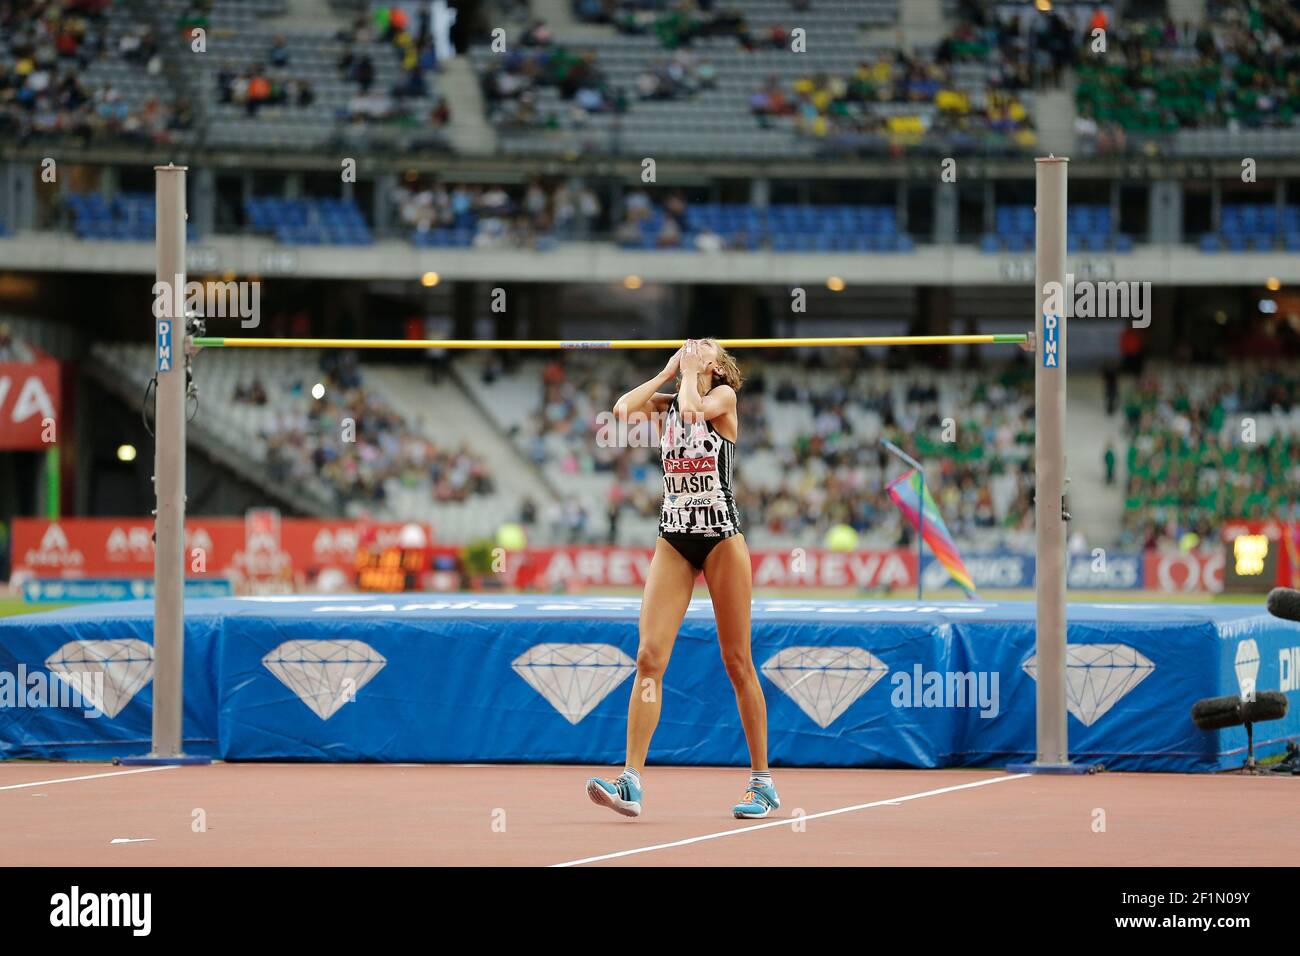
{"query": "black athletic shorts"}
pixel 696 547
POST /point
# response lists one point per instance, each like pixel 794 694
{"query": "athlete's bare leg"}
pixel 668 589
pixel 729 574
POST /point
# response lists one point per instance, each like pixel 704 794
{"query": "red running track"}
pixel 391 814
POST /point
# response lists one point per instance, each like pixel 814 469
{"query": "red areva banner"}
pixel 295 551
pixel 604 566
pixel 253 547
pixel 29 395
pixel 262 546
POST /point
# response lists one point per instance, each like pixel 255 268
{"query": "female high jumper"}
pixel 699 530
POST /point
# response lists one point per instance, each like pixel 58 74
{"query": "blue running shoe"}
pixel 759 800
pixel 622 794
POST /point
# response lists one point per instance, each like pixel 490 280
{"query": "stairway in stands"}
pixel 468 130
pixel 1097 508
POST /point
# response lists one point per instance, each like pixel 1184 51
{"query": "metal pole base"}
pixel 154 760
pixel 1057 769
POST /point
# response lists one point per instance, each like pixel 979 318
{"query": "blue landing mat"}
pixel 526 678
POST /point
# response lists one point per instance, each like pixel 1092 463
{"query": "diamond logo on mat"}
pixel 324 674
pixel 574 678
pixel 1097 676
pixel 127 665
pixel 1247 666
pixel 824 681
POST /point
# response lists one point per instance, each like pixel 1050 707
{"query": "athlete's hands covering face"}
pixel 674 364
pixel 697 357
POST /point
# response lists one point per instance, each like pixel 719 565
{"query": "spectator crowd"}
pixel 830 472
pixel 46 50
pixel 512 87
pixel 494 216
pixel 966 93
pixel 1240 69
pixel 303 442
pixel 273 78
pixel 1206 446
pixel 677 25
pixel 975 437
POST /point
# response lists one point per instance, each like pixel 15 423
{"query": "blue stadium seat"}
pixel 1254 225
pixel 309 221
pixel 788 227
pixel 127 217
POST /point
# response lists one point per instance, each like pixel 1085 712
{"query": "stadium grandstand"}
pixel 498 175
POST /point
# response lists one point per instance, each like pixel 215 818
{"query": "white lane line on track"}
pixel 788 821
pixel 91 776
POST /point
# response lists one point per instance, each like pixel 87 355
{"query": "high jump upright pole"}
pixel 169 470
pixel 1050 515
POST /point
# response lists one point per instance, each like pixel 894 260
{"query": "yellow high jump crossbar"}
pixel 251 343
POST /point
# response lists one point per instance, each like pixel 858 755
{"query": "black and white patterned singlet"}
pixel 697 462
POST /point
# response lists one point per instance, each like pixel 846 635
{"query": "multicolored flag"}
pixel 906 491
